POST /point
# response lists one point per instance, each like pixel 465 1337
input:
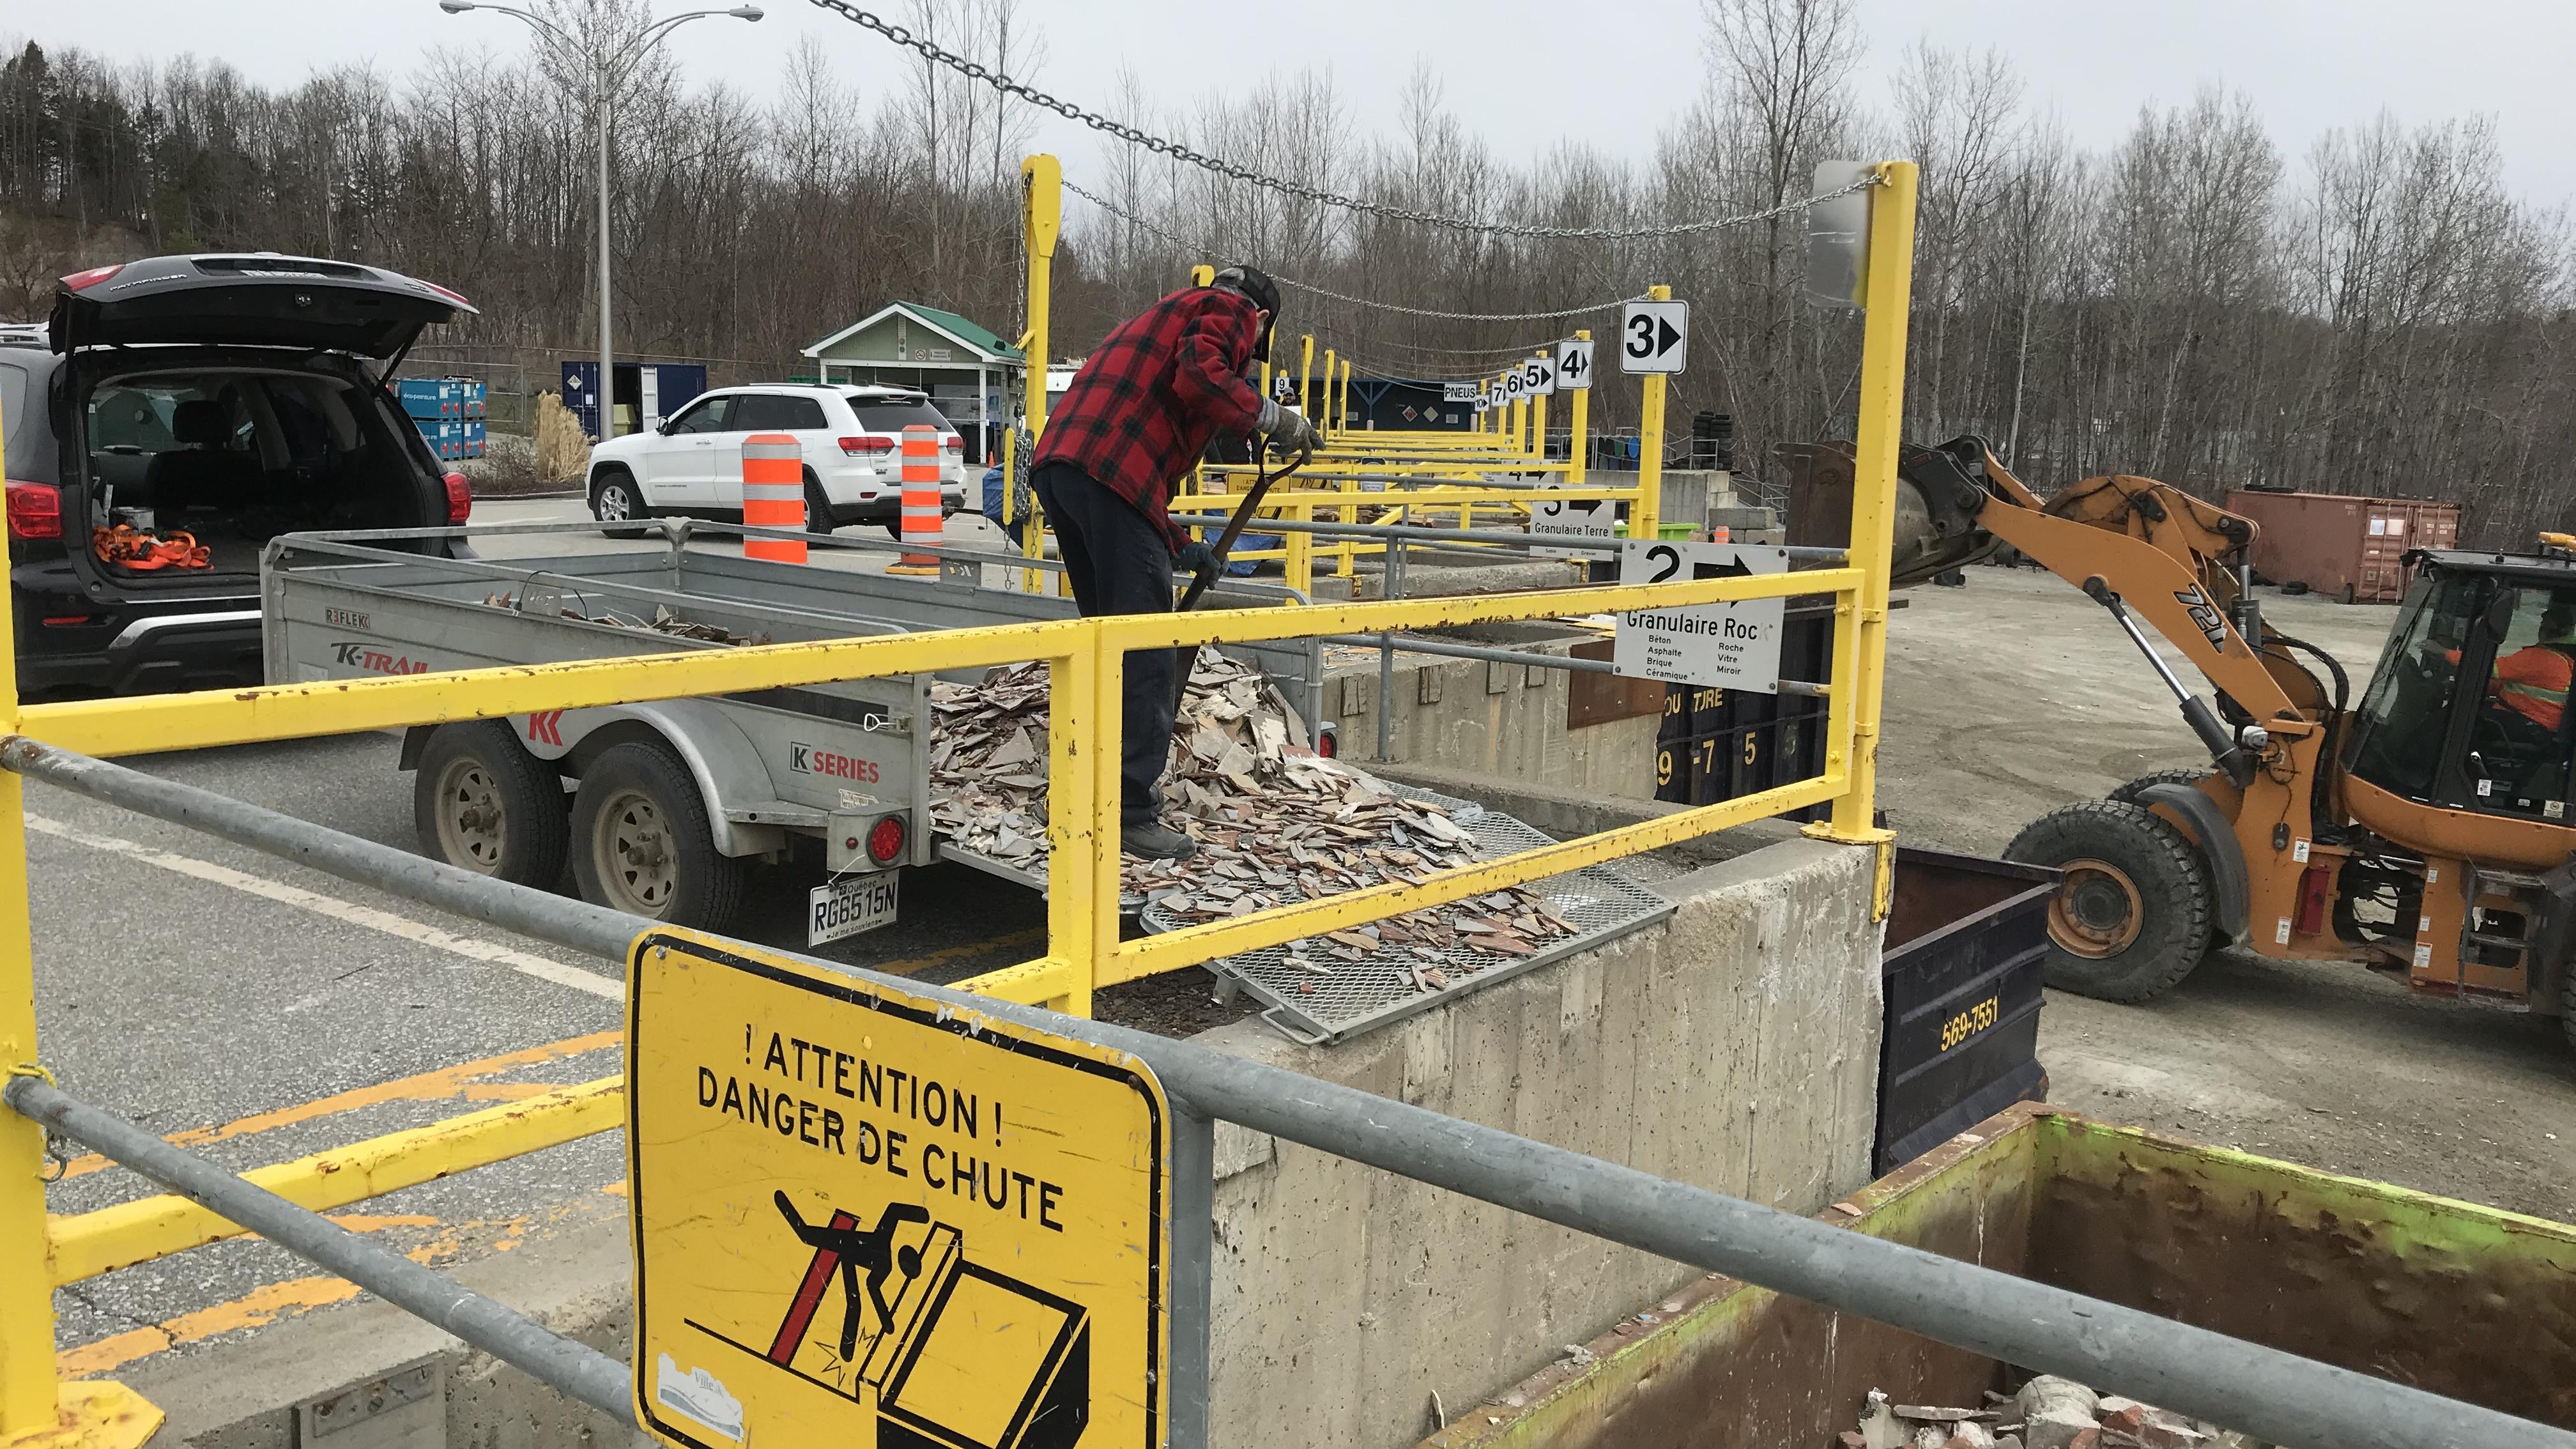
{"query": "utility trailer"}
pixel 670 801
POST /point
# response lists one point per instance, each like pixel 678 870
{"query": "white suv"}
pixel 853 440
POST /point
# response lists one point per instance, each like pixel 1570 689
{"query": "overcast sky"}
pixel 1523 77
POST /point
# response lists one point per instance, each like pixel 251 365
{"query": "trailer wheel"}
pixel 483 803
pixel 2131 917
pixel 642 843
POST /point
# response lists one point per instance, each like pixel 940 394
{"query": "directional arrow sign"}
pixel 1731 646
pixel 1538 377
pixel 1654 337
pixel 1573 365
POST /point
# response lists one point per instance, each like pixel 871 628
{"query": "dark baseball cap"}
pixel 1253 283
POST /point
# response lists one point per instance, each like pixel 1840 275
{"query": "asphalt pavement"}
pixel 258 1011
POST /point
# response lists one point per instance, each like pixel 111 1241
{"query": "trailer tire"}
pixel 642 842
pixel 482 803
pixel 2132 917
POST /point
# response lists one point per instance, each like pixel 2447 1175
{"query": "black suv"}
pixel 185 411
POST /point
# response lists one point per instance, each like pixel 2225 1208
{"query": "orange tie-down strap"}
pixel 126 545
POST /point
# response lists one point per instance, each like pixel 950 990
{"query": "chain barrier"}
pixel 1209 249
pixel 1002 82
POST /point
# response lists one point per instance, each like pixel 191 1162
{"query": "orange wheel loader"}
pixel 2424 827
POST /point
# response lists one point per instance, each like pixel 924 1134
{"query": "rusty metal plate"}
pixel 1592 699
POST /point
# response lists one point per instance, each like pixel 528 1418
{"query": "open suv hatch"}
pixel 185 411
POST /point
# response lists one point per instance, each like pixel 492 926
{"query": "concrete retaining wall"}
pixel 1504 720
pixel 1734 1047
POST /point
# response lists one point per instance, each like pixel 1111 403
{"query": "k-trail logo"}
pixel 813 760
pixel 2204 616
pixel 375 660
pixel 545 727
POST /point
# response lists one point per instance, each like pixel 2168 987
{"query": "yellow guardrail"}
pixel 1085 660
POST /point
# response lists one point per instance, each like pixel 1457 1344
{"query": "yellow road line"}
pixel 447 1082
pixel 914 965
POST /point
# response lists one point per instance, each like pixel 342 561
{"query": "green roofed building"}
pixel 970 373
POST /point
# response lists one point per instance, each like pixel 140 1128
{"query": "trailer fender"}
pixel 726 767
pixel 2229 890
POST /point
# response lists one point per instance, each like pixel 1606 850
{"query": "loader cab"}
pixel 2468 707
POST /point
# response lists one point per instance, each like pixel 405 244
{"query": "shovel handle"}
pixel 1206 576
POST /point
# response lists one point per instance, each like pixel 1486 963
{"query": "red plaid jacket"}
pixel 1144 405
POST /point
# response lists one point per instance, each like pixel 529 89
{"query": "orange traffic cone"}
pixel 922 519
pixel 773 494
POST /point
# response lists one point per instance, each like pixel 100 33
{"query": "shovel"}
pixel 1207 574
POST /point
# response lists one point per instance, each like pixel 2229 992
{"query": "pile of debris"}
pixel 2048 1413
pixel 662 622
pixel 1275 822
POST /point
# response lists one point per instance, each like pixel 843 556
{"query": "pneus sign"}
pixel 866 1218
pixel 1734 645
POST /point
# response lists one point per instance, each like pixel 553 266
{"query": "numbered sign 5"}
pixel 1573 365
pixel 1654 337
pixel 1538 377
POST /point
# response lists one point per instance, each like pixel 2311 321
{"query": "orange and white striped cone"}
pixel 773 494
pixel 921 513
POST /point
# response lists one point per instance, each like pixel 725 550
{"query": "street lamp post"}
pixel 606 69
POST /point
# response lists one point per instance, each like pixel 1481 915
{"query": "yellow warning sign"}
pixel 865 1218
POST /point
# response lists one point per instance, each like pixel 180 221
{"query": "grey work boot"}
pixel 1153 842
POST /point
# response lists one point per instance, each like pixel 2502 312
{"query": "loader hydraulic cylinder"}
pixel 2204 721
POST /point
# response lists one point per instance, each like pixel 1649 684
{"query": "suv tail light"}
pixel 953 443
pixel 460 498
pixel 35 510
pixel 91 278
pixel 863 447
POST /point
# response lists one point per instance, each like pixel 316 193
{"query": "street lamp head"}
pixel 456 7
pixel 745 12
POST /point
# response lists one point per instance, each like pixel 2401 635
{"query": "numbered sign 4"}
pixel 1654 337
pixel 1573 365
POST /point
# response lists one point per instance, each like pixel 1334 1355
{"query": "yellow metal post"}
pixel 35 1408
pixel 1538 426
pixel 1579 424
pixel 1080 757
pixel 1342 409
pixel 1041 217
pixel 1649 507
pixel 1306 376
pixel 1862 661
pixel 1202 275
pixel 1324 421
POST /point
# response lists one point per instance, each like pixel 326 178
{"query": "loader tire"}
pixel 2187 775
pixel 642 842
pixel 2131 917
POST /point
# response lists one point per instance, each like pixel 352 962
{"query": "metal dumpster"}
pixel 1961 973
pixel 2446 1296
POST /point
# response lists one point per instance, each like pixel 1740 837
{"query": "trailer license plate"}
pixel 852 904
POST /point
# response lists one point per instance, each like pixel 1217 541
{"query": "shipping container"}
pixel 2449 1297
pixel 439 399
pixel 2343 546
pixel 453 440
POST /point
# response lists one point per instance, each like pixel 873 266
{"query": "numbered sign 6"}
pixel 1514 386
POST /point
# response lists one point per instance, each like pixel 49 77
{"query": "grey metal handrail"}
pixel 2277 1396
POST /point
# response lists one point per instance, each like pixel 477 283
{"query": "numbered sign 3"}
pixel 1654 337
pixel 1573 365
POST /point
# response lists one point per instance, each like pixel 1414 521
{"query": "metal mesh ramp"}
pixel 1313 998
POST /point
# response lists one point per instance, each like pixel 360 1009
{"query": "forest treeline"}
pixel 2370 310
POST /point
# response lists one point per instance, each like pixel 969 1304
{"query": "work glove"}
pixel 1194 558
pixel 1288 431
